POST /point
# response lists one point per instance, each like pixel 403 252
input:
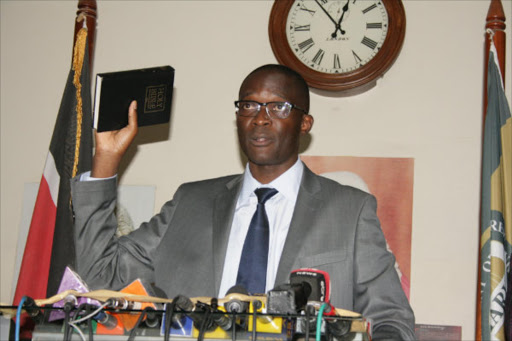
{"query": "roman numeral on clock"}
pixel 337 64
pixel 302 28
pixel 368 9
pixel 356 57
pixel 374 25
pixel 318 56
pixel 304 8
pixel 306 44
pixel 368 42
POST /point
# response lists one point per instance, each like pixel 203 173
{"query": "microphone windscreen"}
pixel 184 303
pixel 238 289
pixel 288 298
pixel 71 281
pixel 318 280
pixel 136 287
pixel 236 305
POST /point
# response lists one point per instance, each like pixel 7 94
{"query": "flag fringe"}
pixel 78 61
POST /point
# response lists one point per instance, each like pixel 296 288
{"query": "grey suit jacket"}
pixel 181 250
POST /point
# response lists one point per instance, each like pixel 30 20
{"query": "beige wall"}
pixel 428 107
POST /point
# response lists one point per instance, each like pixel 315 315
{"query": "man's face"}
pixel 271 143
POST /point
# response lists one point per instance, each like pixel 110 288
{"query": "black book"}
pixel 150 87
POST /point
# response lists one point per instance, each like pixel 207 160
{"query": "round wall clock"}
pixel 338 45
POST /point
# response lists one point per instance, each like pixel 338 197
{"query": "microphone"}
pixel 33 310
pixel 121 303
pixel 337 327
pixel 237 306
pixel 107 320
pixel 318 280
pixel 321 293
pixel 288 298
pixel 181 303
pixel 258 307
pixel 319 283
pixel 202 319
pixel 199 313
pixel 218 316
pixel 70 304
pixel 152 319
pixel 130 318
pixel 174 321
pixel 70 281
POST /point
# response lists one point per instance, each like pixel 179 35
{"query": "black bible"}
pixel 151 87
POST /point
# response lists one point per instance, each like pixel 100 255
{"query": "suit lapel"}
pixel 306 209
pixel 223 212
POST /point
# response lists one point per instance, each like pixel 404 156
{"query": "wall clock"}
pixel 338 45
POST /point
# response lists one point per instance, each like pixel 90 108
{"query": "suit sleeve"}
pixel 378 294
pixel 103 260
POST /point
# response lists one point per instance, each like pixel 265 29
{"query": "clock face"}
pixel 336 36
pixel 338 45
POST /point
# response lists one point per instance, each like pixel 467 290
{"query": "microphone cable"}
pixel 207 320
pixel 76 318
pixel 18 316
pixel 256 304
pixel 29 304
pixel 68 307
pixel 86 308
pixel 308 316
pixel 74 323
pixel 169 311
pixel 319 321
pixel 145 311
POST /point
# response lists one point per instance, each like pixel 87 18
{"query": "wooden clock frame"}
pixel 349 83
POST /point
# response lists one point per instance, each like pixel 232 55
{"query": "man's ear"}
pixel 306 124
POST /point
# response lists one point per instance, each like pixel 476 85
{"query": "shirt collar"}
pixel 287 183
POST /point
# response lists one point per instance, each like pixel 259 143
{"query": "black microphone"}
pixel 152 317
pixel 218 316
pixel 181 304
pixel 201 316
pixel 321 293
pixel 33 310
pixel 199 313
pixel 319 283
pixel 109 321
pixel 318 280
pixel 237 306
pixel 288 298
pixel 336 325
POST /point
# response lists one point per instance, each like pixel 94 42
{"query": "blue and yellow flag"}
pixel 496 224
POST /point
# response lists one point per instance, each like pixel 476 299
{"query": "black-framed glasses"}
pixel 274 109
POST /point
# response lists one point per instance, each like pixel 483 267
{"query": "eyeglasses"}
pixel 274 109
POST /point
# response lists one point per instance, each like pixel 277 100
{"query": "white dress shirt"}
pixel 279 210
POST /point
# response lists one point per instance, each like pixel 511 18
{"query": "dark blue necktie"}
pixel 252 271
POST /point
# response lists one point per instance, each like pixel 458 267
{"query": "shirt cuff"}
pixel 87 177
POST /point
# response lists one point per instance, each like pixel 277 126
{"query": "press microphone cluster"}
pixel 301 306
pixel 307 291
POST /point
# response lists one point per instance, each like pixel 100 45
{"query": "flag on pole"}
pixel 50 243
pixel 496 215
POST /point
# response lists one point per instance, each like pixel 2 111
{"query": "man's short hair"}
pixel 285 70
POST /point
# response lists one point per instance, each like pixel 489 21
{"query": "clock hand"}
pixel 325 11
pixel 338 25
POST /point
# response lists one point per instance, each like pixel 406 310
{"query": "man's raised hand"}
pixel 112 145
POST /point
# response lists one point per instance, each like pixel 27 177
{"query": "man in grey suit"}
pixel 194 245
